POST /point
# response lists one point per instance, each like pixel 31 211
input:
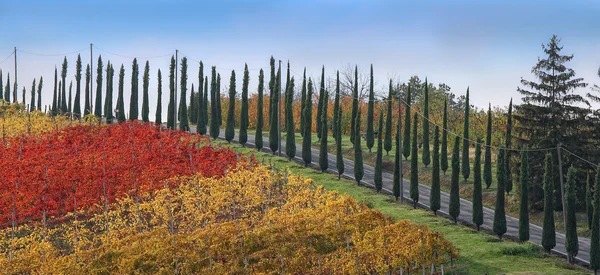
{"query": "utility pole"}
pixel 400 150
pixel 15 90
pixel 91 79
pixel 562 187
pixel 279 108
pixel 175 118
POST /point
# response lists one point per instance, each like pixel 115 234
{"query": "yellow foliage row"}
pixel 252 220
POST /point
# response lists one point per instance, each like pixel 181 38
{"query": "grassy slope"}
pixel 480 252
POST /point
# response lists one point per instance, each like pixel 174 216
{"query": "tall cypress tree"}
pixel 274 125
pixel 388 122
pixel 414 165
pixel 397 192
pixel 477 192
pixel 158 115
pixel 358 161
pixel 354 105
pixel 320 103
pixel 230 129
pixel 133 102
pixel 39 92
pixel 454 207
pixel 201 123
pixel 285 94
pixel 1 86
pixel 444 153
pixel 183 123
pixel 59 104
pixel 370 114
pixel 426 156
pixel 205 101
pixel 70 104
pixel 323 160
pixel 509 184
pixel 87 108
pixel 77 103
pixel 466 169
pixel 258 139
pixel 98 107
pixel 435 195
pixel 406 140
pixel 500 213
pixel 339 153
pixel 571 240
pixel 589 206
pixel 244 120
pixel 272 97
pixel 336 106
pixel 595 238
pixel 192 108
pixel 63 103
pixel 120 97
pixel 63 75
pixel 524 213
pixel 171 106
pixel 379 160
pixel 548 229
pixel 145 101
pixel 306 141
pixel 32 104
pixel 303 103
pixel 7 91
pixel 108 103
pixel 290 141
pixel 218 101
pixel 487 166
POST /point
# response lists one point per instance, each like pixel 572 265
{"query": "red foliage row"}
pixel 78 164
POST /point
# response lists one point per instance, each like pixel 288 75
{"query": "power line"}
pixel 581 158
pixel 139 57
pixel 60 54
pixel 11 54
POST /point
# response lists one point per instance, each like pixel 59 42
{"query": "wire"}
pixel 140 57
pixel 11 54
pixel 61 54
pixel 585 160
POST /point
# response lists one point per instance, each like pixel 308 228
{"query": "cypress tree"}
pixel 39 92
pixel 63 75
pixel 1 86
pixel 444 153
pixel 87 108
pixel 320 104
pixel 133 102
pixel 379 161
pixel 589 206
pixel 171 106
pixel 158 115
pixel 388 123
pixel 434 196
pixel 595 238
pixel 205 101
pixel 63 103
pixel 354 105
pixel 272 104
pixel 414 166
pixel 370 114
pixel 477 192
pixel 98 107
pixel 358 161
pixel 336 106
pixel 184 124
pixel 120 97
pixel 290 141
pixel 509 184
pixel 426 156
pixel 406 140
pixel 285 95
pixel 24 91
pixel 548 229
pixel 323 160
pixel 274 123
pixel 201 123
pixel 571 240
pixel 230 129
pixel 258 139
pixel 454 207
pixel 59 104
pixel 108 103
pixel 192 108
pixel 7 91
pixel 397 192
pixel 303 103
pixel 77 103
pixel 487 166
pixel 70 106
pixel 244 120
pixel 306 141
pixel 524 213
pixel 340 154
pixel 32 104
pixel 218 98
pixel 499 213
pixel 145 102
pixel 466 169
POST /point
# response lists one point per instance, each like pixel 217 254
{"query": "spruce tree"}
pixel 454 207
pixel 509 184
pixel 426 156
pixel 133 101
pixel 77 103
pixel 548 229
pixel 477 192
pixel 63 75
pixel 98 106
pixel 290 141
pixel 171 106
pixel 524 211
pixel 370 114
pixel 379 160
pixel 320 103
pixel 444 153
pixel 358 158
pixel 396 190
pixel 589 206
pixel 145 100
pixel 323 160
pixel 500 212
pixel 244 120
pixel 230 129
pixel 354 105
pixel 435 195
pixel 466 169
pixel 120 97
pixel 39 92
pixel 258 138
pixel 200 121
pixel 571 240
pixel 414 165
pixel 32 104
pixel 388 122
pixel 87 108
pixel 406 139
pixel 158 115
pixel 306 141
pixel 184 124
pixel 339 153
pixel 487 165
pixel 595 238
pixel 108 103
pixel 274 123
pixel 336 106
pixel 303 103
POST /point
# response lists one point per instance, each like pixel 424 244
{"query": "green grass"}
pixel 480 253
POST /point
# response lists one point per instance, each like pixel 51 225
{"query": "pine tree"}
pixel 32 104
pixel 244 120
pixel 339 153
pixel 595 238
pixel 379 160
pixel 444 153
pixel 435 195
pixel 487 165
pixel 454 207
pixel 388 123
pixel 354 106
pixel 98 106
pixel 499 212
pixel 323 160
pixel 63 75
pixel 370 114
pixel 358 158
pixel 302 103
pixel 200 121
pixel 414 165
pixel 274 123
pixel 77 103
pixel 524 213
pixel 145 101
pixel 466 169
pixel 320 103
pixel 39 92
pixel 396 190
pixel 336 106
pixel 133 101
pixel 406 140
pixel 171 107
pixel 158 115
pixel 258 139
pixel 290 141
pixel 571 240
pixel 108 103
pixel 120 97
pixel 477 192
pixel 87 108
pixel 306 141
pixel 230 129
pixel 426 156
pixel 184 123
pixel 509 184
pixel 548 229
pixel 589 206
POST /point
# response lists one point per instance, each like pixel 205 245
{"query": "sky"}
pixel 485 45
